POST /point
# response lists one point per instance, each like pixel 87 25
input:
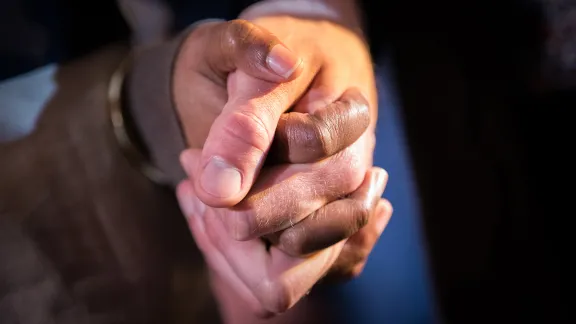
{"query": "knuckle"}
pixel 238 225
pixel 341 125
pixel 292 241
pixel 246 42
pixel 361 216
pixel 359 109
pixel 237 33
pixel 363 244
pixel 274 100
pixel 344 172
pixel 275 295
pixel 321 140
pixel 248 128
pixel 352 170
pixel 388 208
pixel 211 232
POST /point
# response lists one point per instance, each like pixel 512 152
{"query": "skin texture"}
pixel 267 278
pixel 316 200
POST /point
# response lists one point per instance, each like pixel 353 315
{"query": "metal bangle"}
pixel 116 109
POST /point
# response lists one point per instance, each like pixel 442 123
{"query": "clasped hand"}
pixel 281 188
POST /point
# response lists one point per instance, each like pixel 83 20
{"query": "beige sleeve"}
pixel 150 101
pixel 148 96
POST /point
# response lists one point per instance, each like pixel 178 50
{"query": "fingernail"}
pixel 282 61
pixel 220 179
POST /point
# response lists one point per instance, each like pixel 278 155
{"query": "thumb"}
pixel 241 45
pixel 241 135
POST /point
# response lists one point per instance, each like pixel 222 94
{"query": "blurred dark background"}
pixel 480 93
pixel 475 132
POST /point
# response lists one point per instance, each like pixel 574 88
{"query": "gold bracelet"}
pixel 134 156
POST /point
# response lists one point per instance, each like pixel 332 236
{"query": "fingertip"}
pixel 387 207
pixel 186 199
pixel 324 126
pixel 384 211
pixel 189 159
pixel 219 184
pixel 359 107
pixel 202 177
pixel 213 182
pixel 183 189
pixel 356 271
pixel 380 170
pixel 380 177
pixel 384 205
pixel 370 188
